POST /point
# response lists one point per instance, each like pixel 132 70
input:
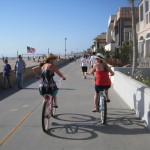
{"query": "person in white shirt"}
pixel 83 64
pixel 20 70
pixel 92 60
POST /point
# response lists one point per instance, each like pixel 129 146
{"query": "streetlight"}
pixel 48 51
pixel 65 47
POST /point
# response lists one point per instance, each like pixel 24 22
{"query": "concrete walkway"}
pixel 75 126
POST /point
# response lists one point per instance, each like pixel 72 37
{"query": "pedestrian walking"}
pixel 92 60
pixel 83 65
pixel 19 70
pixel 6 73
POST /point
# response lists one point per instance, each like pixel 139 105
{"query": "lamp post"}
pixel 48 51
pixel 65 47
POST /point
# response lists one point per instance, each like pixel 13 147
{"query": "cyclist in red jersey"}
pixel 102 80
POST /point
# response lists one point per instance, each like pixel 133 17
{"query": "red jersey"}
pixel 102 78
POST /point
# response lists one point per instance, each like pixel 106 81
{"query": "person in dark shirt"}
pixel 6 73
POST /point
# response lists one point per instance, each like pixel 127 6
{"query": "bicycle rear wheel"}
pixel 46 115
pixel 103 109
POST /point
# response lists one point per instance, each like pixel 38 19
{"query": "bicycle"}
pixel 102 106
pixel 48 110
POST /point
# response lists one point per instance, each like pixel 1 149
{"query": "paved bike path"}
pixel 75 126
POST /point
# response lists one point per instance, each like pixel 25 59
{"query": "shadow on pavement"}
pixel 9 91
pixel 85 127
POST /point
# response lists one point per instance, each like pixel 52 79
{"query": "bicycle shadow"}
pixel 74 129
pixel 84 127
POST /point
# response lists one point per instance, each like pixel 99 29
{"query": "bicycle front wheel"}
pixel 46 114
pixel 103 109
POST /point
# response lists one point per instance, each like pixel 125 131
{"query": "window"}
pixel 141 48
pixel 127 34
pixel 147 11
pixel 141 12
pixel 146 6
pixel 149 17
pixel 148 45
pixel 146 18
pixel 148 36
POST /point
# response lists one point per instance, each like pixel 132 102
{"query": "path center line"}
pixel 14 129
pixel 17 126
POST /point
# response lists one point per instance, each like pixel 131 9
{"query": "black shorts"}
pixel 101 88
pixel 84 69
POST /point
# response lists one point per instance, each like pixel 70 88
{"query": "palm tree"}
pixel 135 48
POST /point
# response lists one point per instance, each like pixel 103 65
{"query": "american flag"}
pixel 30 49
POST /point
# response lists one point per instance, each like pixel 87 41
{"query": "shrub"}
pixel 142 79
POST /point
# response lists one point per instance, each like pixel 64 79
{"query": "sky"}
pixel 44 24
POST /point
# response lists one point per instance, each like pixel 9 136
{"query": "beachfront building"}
pixel 110 35
pixel 123 26
pixel 144 33
pixel 99 42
